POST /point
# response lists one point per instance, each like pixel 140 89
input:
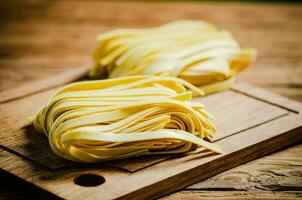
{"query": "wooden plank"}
pixel 161 178
pixel 290 92
pixel 40 85
pixel 234 112
pixel 58 36
pixel 274 99
pixel 236 195
pixel 270 75
pixel 61 182
pixel 281 171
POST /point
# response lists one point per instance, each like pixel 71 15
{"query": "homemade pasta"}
pixel 93 121
pixel 195 51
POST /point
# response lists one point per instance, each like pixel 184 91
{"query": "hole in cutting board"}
pixel 89 180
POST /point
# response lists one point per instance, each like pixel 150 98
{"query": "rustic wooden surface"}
pixel 251 123
pixel 277 176
pixel 42 38
pixel 234 113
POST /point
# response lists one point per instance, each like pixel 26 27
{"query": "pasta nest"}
pixel 93 121
pixel 195 51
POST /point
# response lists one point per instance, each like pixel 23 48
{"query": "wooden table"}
pixel 39 39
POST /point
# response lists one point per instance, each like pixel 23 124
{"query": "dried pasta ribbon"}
pixel 195 51
pixel 94 121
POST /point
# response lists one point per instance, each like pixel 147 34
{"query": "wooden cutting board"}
pixel 251 123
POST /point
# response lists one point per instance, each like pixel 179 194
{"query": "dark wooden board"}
pixel 23 139
pixel 251 122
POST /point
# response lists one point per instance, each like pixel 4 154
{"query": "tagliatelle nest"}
pixel 195 51
pixel 110 119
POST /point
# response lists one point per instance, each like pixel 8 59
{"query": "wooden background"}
pixel 40 38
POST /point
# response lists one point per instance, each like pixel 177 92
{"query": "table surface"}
pixel 40 38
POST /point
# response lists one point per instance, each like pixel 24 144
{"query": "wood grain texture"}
pixel 234 113
pixel 277 176
pixel 281 171
pixel 39 39
pixel 236 195
pixel 57 35
pixel 44 84
pixel 255 140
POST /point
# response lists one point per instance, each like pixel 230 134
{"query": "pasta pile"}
pixel 195 51
pixel 93 121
